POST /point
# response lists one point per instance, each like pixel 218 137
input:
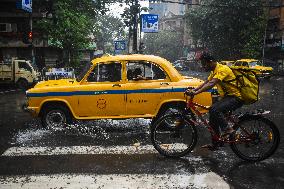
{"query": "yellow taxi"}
pixel 114 87
pixel 255 65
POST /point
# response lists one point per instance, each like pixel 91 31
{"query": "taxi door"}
pixel 102 95
pixel 147 84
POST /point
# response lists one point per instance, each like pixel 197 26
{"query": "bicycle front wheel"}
pixel 256 138
pixel 173 135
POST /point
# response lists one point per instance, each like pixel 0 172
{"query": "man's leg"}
pixel 216 112
pixel 216 117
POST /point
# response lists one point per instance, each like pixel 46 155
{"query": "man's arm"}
pixel 206 86
pixel 200 86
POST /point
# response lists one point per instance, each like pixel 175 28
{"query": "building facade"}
pixel 171 17
pixel 15 26
pixel 274 40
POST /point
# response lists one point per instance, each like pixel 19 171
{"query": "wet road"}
pixel 118 154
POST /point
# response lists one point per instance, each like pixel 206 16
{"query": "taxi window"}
pixel 106 72
pixel 229 64
pixel 245 64
pixel 238 64
pixel 141 70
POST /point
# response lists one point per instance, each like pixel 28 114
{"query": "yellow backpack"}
pixel 248 84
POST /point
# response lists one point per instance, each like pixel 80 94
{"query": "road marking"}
pixel 208 180
pixel 65 150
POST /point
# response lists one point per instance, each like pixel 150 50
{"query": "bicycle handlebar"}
pixel 189 93
pixel 190 102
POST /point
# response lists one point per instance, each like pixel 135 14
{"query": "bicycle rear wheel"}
pixel 173 135
pixel 256 138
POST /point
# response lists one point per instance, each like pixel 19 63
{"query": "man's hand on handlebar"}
pixel 190 92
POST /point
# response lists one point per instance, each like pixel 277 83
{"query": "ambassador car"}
pixel 255 65
pixel 114 87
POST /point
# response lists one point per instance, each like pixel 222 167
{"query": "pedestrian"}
pixel 220 75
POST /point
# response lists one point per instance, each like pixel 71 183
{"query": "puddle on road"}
pixel 25 137
pixel 98 130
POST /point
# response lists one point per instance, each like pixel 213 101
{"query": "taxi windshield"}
pixel 83 72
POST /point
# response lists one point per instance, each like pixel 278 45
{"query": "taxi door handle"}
pixel 116 85
pixel 164 83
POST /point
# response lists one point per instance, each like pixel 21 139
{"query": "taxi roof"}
pixel 129 57
pixel 247 60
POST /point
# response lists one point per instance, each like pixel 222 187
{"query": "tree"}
pixel 109 28
pixel 131 20
pixel 71 24
pixel 167 44
pixel 230 29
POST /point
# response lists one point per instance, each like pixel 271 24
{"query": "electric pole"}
pixel 135 25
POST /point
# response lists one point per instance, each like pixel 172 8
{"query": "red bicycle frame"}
pixel 215 137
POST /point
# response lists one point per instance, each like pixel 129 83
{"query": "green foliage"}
pixel 109 28
pixel 130 18
pixel 230 29
pixel 71 23
pixel 129 13
pixel 167 44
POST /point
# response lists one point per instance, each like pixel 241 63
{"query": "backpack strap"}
pixel 230 81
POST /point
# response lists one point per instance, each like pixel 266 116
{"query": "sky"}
pixel 116 10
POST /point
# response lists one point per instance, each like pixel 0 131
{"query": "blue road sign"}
pixel 149 23
pixel 120 45
pixel 27 5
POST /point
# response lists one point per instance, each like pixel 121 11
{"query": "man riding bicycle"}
pixel 222 77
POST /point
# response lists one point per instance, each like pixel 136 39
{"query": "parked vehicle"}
pixel 107 88
pixel 19 72
pixel 261 71
pixel 58 73
pixel 181 65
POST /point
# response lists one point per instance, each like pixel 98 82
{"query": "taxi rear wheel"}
pixel 55 116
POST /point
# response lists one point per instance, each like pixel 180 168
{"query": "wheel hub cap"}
pixel 55 118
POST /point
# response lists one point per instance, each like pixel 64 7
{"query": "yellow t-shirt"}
pixel 224 73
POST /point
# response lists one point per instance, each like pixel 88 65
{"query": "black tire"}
pixel 264 134
pixel 56 116
pixel 176 139
pixel 22 84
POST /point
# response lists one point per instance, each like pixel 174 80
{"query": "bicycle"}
pixel 255 138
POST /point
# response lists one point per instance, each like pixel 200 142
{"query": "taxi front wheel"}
pixel 55 116
pixel 166 110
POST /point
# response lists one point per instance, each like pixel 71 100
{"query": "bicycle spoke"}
pixel 173 136
pixel 256 139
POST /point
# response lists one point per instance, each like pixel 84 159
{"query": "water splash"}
pixel 97 130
